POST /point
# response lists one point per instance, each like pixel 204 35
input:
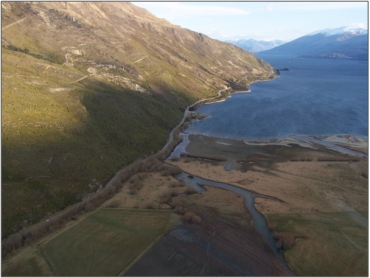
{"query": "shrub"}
pixel 279 244
pixel 288 240
pixel 114 204
pixel 165 198
pixel 142 176
pixel 89 206
pixel 285 240
pixel 196 219
pixel 188 216
pixel 175 184
pixel 149 205
pixel 185 125
pixel 137 184
pixel 133 191
pixel 171 171
pixel 174 192
pixel 180 210
pixel 117 184
pixel 181 184
pixel 190 190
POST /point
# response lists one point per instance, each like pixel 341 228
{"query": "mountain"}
pixel 339 43
pixel 255 46
pixel 88 87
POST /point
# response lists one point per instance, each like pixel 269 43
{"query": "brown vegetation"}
pixel 89 206
pixel 213 158
pixel 337 159
pixel 285 240
pixel 149 205
pixel 180 210
pixel 171 171
pixel 191 217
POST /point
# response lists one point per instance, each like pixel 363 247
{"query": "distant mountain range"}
pixel 255 46
pixel 339 43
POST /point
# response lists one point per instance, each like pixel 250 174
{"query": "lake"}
pixel 315 97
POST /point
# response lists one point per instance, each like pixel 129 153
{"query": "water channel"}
pixel 259 220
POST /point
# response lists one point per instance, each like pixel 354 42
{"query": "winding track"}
pixel 10 25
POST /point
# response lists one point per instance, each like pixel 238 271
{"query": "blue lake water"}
pixel 315 97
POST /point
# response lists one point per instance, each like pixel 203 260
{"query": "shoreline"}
pixel 336 142
pixel 333 139
pixel 242 92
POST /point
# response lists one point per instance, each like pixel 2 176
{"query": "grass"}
pixel 337 243
pixel 105 242
pixel 26 267
pixel 55 143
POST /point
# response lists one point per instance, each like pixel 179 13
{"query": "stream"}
pixel 259 220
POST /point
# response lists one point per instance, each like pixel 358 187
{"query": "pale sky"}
pixel 259 20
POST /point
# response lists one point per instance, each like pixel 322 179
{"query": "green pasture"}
pixel 105 242
pixel 26 267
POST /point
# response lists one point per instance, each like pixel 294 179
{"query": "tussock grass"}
pixel 325 244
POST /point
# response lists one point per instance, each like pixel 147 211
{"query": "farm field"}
pixel 102 244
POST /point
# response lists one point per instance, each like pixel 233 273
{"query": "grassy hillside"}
pixel 89 87
pixel 61 140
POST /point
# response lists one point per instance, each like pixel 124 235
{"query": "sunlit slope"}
pixel 61 138
pixel 89 87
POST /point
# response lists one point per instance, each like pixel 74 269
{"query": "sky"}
pixel 259 20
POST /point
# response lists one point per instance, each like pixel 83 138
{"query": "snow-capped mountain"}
pixel 255 46
pixel 341 30
pixel 348 42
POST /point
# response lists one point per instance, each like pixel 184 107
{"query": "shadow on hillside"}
pixel 50 171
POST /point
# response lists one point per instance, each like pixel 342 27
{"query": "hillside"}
pixel 339 43
pixel 88 87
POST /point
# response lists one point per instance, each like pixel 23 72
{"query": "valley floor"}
pixel 157 226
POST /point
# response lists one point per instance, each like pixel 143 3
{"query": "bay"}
pixel 315 97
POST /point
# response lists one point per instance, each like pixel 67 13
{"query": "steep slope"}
pixel 256 46
pixel 89 87
pixel 339 43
